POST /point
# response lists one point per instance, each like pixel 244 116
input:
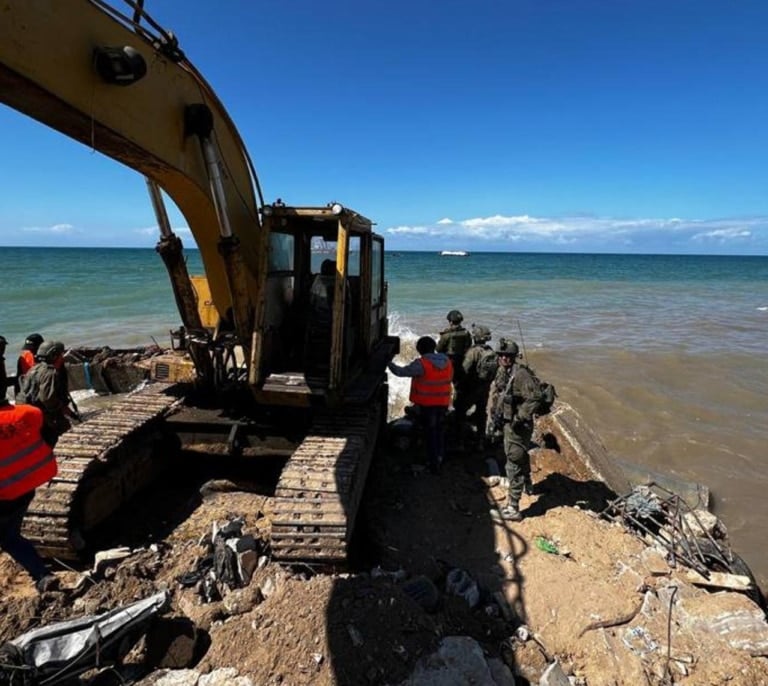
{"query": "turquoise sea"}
pixel 665 356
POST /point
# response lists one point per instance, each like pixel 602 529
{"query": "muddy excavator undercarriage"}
pixel 283 345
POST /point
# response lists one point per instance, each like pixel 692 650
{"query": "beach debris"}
pixel 461 584
pixel 57 653
pixel 546 546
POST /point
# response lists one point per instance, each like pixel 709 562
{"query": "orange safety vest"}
pixel 25 363
pixel 26 460
pixel 434 386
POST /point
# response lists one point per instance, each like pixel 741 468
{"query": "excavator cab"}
pixel 325 322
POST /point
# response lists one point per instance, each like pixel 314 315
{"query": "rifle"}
pixel 522 342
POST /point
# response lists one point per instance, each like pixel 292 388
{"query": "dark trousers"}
pixel 517 437
pixel 433 419
pixel 12 542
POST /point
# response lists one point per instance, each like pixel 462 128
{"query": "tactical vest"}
pixel 434 386
pixel 26 460
pixel 458 342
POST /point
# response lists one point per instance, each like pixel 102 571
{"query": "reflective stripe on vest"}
pixel 434 386
pixel 26 461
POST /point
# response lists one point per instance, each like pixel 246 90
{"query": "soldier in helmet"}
pixel 46 386
pixel 454 342
pixel 513 399
pixel 479 367
pixel 26 359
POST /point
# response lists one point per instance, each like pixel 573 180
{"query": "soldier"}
pixel 46 386
pixel 26 359
pixel 479 367
pixel 513 399
pixel 454 342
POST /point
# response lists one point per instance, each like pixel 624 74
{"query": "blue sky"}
pixel 544 125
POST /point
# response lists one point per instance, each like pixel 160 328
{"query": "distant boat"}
pixel 454 253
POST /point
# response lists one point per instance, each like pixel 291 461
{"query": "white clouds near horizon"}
pixel 587 232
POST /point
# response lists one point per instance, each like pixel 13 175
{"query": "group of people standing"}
pixel 462 369
pixel 29 429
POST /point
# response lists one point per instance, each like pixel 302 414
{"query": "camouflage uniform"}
pixel 513 398
pixel 454 342
pixel 477 389
pixel 46 387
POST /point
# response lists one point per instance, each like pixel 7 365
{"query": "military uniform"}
pixel 513 398
pixel 454 342
pixel 46 387
pixel 477 389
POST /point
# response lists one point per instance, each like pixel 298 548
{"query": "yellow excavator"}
pixel 285 335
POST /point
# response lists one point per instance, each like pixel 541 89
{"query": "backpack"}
pixel 548 394
pixel 487 365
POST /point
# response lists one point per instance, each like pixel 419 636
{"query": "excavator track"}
pixel 318 494
pixel 102 463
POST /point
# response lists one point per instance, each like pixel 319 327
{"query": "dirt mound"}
pixel 585 591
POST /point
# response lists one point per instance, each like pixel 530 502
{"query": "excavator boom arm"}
pixel 48 71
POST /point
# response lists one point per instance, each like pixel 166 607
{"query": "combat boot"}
pixel 508 513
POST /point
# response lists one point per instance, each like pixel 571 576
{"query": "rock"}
pixel 172 677
pixel 554 676
pixel 355 636
pixel 105 558
pixel 458 661
pixel 703 523
pixel 731 616
pixel 226 676
pixel 423 591
pixel 267 587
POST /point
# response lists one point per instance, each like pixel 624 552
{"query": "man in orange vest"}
pixel 26 462
pixel 431 376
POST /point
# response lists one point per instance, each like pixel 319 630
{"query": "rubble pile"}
pixel 439 593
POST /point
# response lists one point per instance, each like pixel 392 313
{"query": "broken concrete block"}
pixel 703 523
pixel 554 676
pixel 104 558
pixel 459 660
pixel 173 677
pixel 225 676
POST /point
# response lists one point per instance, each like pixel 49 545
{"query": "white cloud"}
pixel 155 231
pixel 55 229
pixel 587 230
pixel 723 234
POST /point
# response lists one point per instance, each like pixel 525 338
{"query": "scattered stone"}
pixel 423 591
pixel 458 661
pixel 226 676
pixel 106 558
pixel 554 676
pixel 703 523
pixel 355 636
